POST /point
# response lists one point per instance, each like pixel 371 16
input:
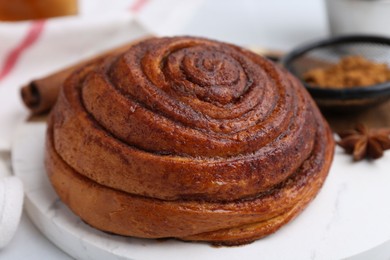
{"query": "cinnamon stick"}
pixel 40 95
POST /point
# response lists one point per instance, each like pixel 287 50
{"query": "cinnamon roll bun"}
pixel 187 138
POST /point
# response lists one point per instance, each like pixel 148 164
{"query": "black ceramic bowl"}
pixel 329 51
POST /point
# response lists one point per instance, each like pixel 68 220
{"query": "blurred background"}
pixel 280 24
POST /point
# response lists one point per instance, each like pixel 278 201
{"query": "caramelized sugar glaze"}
pixel 188 138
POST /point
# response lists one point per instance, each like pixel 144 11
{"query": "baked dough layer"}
pixel 187 138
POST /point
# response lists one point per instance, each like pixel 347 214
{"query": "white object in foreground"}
pixel 11 201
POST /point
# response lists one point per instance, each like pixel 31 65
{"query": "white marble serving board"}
pixel 350 215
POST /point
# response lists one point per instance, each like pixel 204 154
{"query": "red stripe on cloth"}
pixel 138 5
pixel 13 56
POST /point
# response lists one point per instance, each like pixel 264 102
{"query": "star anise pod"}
pixel 362 142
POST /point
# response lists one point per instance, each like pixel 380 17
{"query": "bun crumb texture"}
pixel 187 138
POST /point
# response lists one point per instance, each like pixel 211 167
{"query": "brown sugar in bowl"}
pixel 323 53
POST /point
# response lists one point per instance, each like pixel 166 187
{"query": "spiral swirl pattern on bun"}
pixel 188 138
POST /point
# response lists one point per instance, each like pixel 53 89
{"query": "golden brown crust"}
pixel 188 138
